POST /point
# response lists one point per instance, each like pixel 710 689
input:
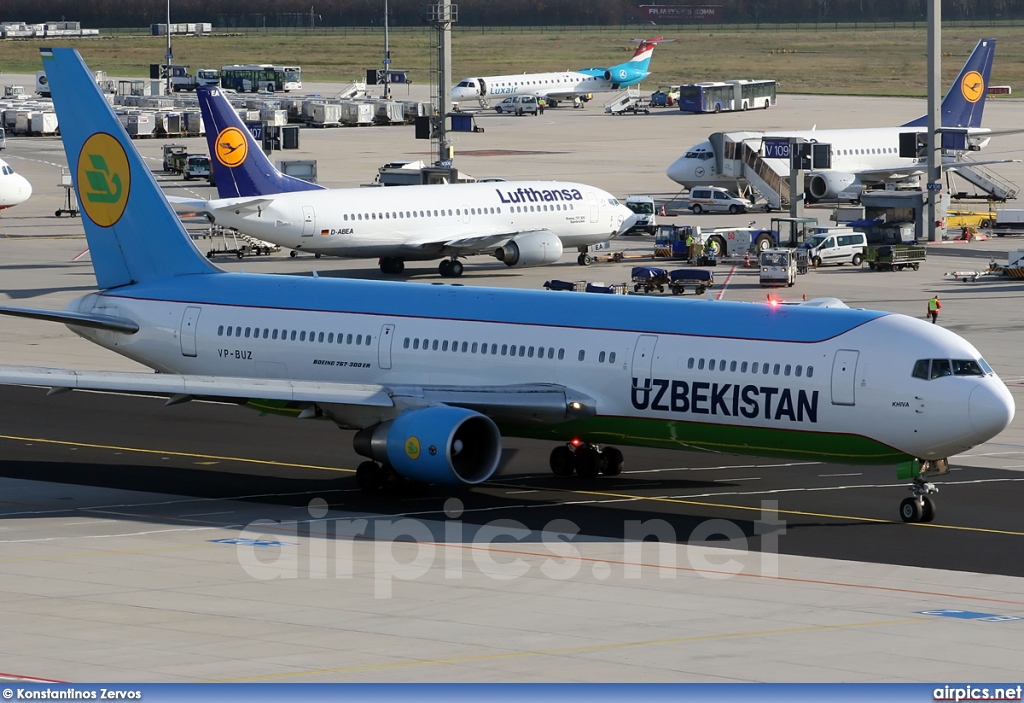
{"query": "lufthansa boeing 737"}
pixel 561 85
pixel 860 157
pixel 525 223
pixel 432 376
pixel 14 188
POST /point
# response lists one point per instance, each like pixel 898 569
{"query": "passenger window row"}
pixel 294 335
pixel 754 367
pixel 482 348
pixel 928 369
pixel 544 208
pixel 412 214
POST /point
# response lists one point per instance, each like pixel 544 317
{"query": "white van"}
pixel 836 248
pixel 713 199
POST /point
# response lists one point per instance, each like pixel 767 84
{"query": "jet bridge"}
pixel 738 155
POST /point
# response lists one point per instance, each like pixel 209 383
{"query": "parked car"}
pixel 713 199
pixel 519 105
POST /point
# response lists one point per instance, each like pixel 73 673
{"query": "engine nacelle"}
pixel 834 185
pixel 531 249
pixel 620 75
pixel 441 444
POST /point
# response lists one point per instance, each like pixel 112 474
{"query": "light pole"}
pixel 169 56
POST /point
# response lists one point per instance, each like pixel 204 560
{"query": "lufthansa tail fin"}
pixel 133 234
pixel 239 164
pixel 965 101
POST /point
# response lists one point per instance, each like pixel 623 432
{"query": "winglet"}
pixel 239 164
pixel 133 234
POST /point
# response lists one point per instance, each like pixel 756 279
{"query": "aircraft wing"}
pixel 214 206
pixel 900 173
pixel 351 405
pixel 470 243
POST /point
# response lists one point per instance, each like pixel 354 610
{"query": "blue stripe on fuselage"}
pixel 755 321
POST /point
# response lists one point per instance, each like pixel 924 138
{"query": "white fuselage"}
pixel 563 85
pixel 871 150
pixel 14 188
pixel 426 222
pixel 843 389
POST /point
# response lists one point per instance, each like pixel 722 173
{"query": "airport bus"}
pixel 254 77
pixel 724 96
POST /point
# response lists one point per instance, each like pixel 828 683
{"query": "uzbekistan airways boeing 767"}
pixel 432 376
pixel 520 223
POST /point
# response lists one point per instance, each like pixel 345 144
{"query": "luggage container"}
pixel 649 278
pixel 698 279
pixel 326 115
pixel 43 123
pixel 891 257
pixel 356 114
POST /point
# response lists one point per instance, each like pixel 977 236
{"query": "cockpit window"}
pixel 705 155
pixel 967 367
pixel 928 369
pixel 692 155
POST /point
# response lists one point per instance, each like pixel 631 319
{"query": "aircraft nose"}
pixel 677 171
pixel 990 408
pixel 627 222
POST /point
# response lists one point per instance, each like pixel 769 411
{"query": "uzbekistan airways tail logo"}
pixel 104 179
pixel 232 147
pixel 972 86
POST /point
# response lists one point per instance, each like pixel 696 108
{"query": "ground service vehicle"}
pixel 665 96
pixel 698 279
pixel 725 96
pixel 778 267
pixel 843 247
pixel 715 199
pixel 892 257
pixel 197 166
pixel 252 78
pixel 649 279
pixel 518 105
pixel 1008 222
pixel 643 206
pixel 670 240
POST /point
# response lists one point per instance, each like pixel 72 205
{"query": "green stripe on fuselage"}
pixel 722 439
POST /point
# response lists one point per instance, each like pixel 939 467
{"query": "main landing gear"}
pixel 372 477
pixel 450 268
pixel 585 460
pixel 921 506
pixel 390 264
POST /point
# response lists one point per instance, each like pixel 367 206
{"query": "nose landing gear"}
pixel 585 460
pixel 921 506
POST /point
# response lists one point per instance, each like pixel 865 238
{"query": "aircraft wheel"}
pixel 367 477
pixel 697 209
pixel 455 268
pixel 562 461
pixel 293 253
pixel 928 509
pixel 445 268
pixel 589 462
pixel 57 213
pixel 584 259
pixel 911 510
pixel 317 255
pixel 613 461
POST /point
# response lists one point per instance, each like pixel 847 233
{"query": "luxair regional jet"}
pixel 868 156
pixel 433 376
pixel 521 223
pixel 14 188
pixel 561 85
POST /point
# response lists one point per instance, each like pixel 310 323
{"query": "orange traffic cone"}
pixel 663 210
pixel 746 260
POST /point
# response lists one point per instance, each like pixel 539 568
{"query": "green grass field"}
pixel 827 59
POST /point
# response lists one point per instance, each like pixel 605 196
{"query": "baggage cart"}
pixel 698 279
pixel 649 279
pixel 894 257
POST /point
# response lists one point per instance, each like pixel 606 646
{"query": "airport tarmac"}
pixel 115 510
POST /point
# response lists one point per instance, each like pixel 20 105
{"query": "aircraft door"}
pixel 308 221
pixel 189 322
pixel 844 376
pixel 387 333
pixel 483 88
pixel 592 199
pixel 643 361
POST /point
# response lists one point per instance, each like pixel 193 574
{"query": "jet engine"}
pixel 618 76
pixel 531 249
pixel 834 185
pixel 440 444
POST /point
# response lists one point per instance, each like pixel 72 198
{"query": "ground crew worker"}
pixel 713 249
pixel 541 104
pixel 933 308
pixel 689 247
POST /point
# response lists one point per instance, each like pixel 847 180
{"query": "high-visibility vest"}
pixel 934 305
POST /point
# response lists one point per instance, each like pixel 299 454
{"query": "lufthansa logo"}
pixel 232 147
pixel 103 179
pixel 972 86
pixel 412 448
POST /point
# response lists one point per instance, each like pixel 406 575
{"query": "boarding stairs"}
pixel 765 177
pixel 989 181
pixel 628 101
pixel 356 89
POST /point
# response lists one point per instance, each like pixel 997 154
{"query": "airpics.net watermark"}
pixel 406 549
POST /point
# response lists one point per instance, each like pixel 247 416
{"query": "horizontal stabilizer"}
pixel 100 322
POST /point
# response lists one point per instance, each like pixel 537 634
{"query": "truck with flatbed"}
pixel 1008 221
pixel 895 257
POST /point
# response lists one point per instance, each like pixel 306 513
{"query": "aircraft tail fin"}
pixel 239 164
pixel 964 103
pixel 133 234
pixel 636 69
